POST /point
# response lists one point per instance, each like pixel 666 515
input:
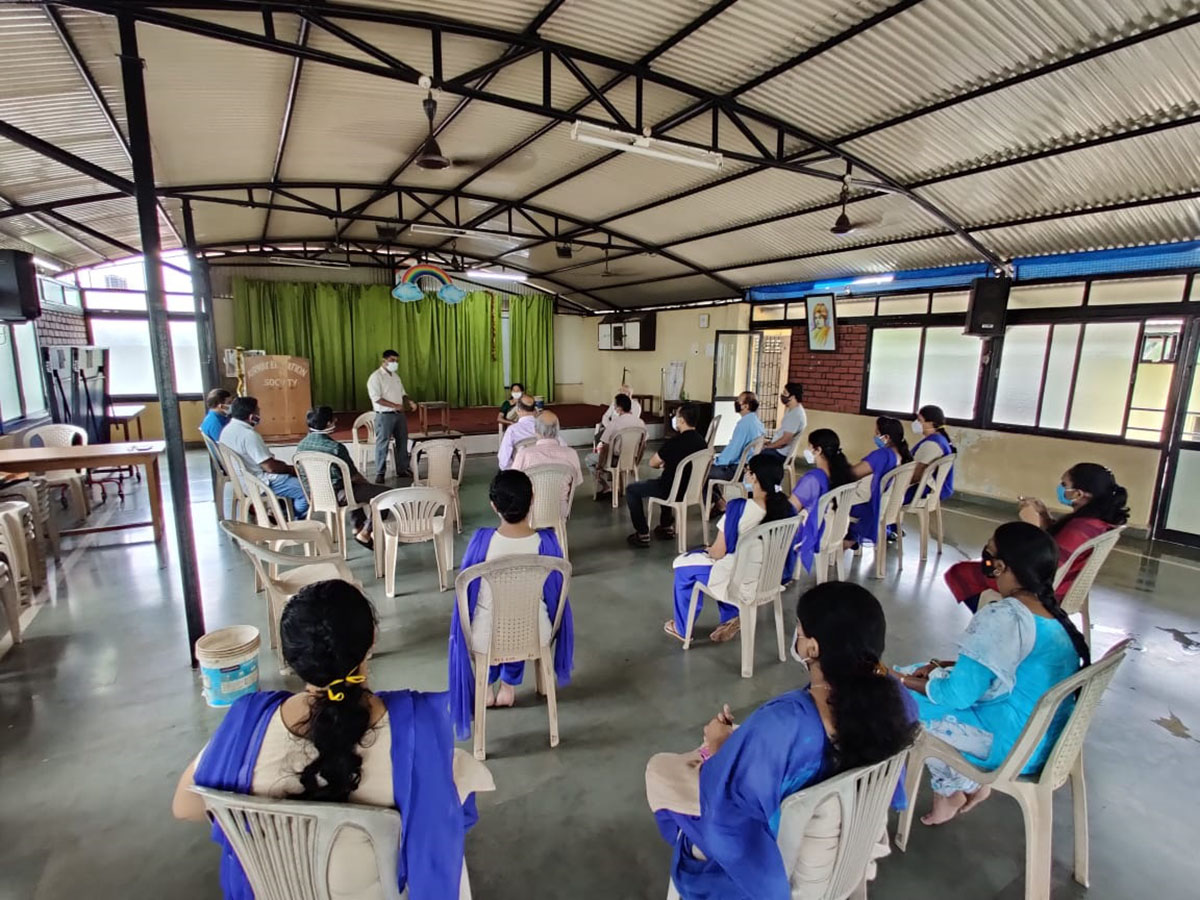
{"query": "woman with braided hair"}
pixel 337 741
pixel 1015 649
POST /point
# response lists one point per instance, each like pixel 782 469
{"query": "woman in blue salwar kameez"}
pixel 891 450
pixel 830 469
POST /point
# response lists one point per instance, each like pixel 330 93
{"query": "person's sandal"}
pixel 641 541
pixel 726 632
pixel 664 532
pixel 669 628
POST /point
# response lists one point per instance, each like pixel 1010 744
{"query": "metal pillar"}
pixel 160 338
pixel 206 335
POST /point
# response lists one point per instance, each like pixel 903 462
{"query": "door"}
pixel 1178 519
pixel 735 369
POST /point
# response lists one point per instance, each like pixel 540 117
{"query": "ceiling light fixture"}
pixel 450 231
pixel 600 136
pixel 47 265
pixel 308 263
pixel 563 251
pixel 489 275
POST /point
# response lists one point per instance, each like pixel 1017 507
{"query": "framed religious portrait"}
pixel 822 326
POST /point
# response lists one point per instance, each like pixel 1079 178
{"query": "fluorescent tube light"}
pixel 448 231
pixel 47 265
pixel 488 275
pixel 874 279
pixel 599 136
pixel 308 263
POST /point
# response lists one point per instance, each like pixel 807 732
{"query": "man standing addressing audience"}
pixel 668 458
pixel 548 451
pixel 748 429
pixel 794 420
pixel 319 440
pixel 596 462
pixel 240 437
pixel 386 391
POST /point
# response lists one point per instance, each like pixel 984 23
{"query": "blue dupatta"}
pixel 882 460
pixel 733 517
pixel 429 860
pixel 808 491
pixel 940 439
pixel 462 677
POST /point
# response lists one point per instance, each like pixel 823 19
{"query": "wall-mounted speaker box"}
pixel 18 287
pixel 987 307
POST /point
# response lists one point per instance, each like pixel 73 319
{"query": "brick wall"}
pixel 58 326
pixel 832 381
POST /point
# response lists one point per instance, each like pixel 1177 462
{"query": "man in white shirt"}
pixel 596 461
pixel 613 411
pixel 520 430
pixel 388 399
pixel 240 437
pixel 793 422
pixel 548 451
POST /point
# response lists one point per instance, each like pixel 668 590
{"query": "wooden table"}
pixel 88 456
pixel 424 408
pixel 124 413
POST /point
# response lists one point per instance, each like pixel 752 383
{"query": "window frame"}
pixel 133 316
pixel 23 420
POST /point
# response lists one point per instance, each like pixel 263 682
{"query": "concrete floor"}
pixel 101 712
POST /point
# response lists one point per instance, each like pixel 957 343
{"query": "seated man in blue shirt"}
pixel 748 429
pixel 217 416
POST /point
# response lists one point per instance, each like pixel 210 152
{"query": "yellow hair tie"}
pixel 337 696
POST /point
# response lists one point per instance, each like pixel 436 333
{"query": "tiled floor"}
pixel 101 712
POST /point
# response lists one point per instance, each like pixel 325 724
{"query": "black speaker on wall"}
pixel 987 307
pixel 18 287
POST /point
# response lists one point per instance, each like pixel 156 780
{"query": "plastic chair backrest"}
pixel 214 454
pixel 55 435
pixel 524 442
pixel 752 450
pixel 862 797
pixel 263 501
pixel 696 468
pixel 777 538
pixel 793 451
pixel 1098 547
pixel 551 484
pixel 711 436
pixel 627 448
pixel 284 846
pixel 439 458
pixel 259 543
pixel 929 489
pixel 833 511
pixel 413 511
pixel 235 468
pixel 516 584
pixel 892 489
pixel 316 477
pixel 1090 683
pixel 366 423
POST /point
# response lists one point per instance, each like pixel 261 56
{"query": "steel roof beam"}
pixel 65 157
pixel 43 219
pixel 289 107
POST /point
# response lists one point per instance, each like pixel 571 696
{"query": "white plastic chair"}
pixel 710 437
pixel 317 469
pixel 236 469
pixel 859 799
pixel 71 481
pixel 550 482
pixel 262 545
pixel 789 462
pixel 8 595
pixel 524 442
pixel 752 450
pixel 695 467
pixel 220 479
pixel 19 530
pixel 1076 599
pixel 927 501
pixel 833 511
pixel 439 457
pixel 776 539
pixel 415 515
pixel 36 492
pixel 892 488
pixel 364 450
pixel 624 459
pixel 1034 793
pixel 516 584
pixel 284 846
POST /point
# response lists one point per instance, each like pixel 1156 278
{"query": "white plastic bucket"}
pixel 228 663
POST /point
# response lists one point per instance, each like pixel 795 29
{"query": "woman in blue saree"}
pixel 1015 649
pixel 891 450
pixel 830 469
pixel 511 496
pixel 720 806
pixel 337 741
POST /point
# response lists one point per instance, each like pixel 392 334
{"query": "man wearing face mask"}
pixel 320 440
pixel 686 442
pixel 240 437
pixel 793 422
pixel 389 401
pixel 217 416
pixel 748 429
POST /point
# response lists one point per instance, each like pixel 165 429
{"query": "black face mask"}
pixel 988 564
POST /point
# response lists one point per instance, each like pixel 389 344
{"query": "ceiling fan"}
pixel 609 273
pixel 430 156
pixel 842 225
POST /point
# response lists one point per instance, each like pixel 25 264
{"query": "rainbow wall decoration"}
pixel 408 288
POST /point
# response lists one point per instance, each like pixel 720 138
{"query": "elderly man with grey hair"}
pixel 550 449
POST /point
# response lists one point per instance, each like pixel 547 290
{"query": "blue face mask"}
pixel 749 486
pixel 1062 496
pixel 879 442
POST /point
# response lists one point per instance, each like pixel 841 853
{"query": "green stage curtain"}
pixel 531 321
pixel 450 353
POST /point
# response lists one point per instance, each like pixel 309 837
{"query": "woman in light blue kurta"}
pixel 830 469
pixel 1015 649
pixel 722 815
pixel 891 450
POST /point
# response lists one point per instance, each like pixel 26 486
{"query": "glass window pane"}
pixel 951 301
pixel 892 380
pixel 1102 381
pixel 1059 367
pixel 854 307
pixel 184 303
pixel 770 312
pixel 950 372
pixel 29 360
pixel 185 352
pixel 10 394
pixel 128 343
pixel 796 311
pixel 175 281
pixel 123 300
pixel 1021 374
pixel 1040 296
pixel 1137 290
pixel 1152 381
pixel 904 304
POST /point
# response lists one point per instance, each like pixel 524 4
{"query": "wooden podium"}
pixel 284 392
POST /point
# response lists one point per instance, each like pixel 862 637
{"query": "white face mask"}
pixel 676 422
pixel 809 456
pixel 391 365
pixel 917 427
pixel 796 655
pixel 516 395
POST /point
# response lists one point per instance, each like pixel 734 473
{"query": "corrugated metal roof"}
pixel 615 28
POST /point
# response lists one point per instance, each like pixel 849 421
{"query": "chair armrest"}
pixel 930 746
